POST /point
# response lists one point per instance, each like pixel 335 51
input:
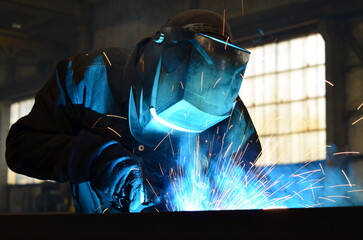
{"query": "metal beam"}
pixel 291 16
pixel 10 40
pixel 54 9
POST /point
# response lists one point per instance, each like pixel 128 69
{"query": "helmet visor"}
pixel 197 81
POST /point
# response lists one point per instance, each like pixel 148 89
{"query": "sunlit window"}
pixel 284 91
pixel 18 110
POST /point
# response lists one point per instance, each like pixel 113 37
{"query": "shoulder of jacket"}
pixel 109 57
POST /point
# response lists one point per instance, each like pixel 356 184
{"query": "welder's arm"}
pixel 39 144
pixel 49 143
pixel 242 135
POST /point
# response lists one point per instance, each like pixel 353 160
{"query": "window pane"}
pixel 284 121
pixel 287 86
pixel 320 80
pixel 311 82
pixel 258 59
pixel 259 90
pixel 18 110
pixel 298 114
pixel 270 119
pixel 270 58
pixel 312 119
pixel 270 94
pixel 321 113
pixel 311 50
pixel 296 53
pixel 283 56
pixel 297 85
pixel 246 92
pixel 283 80
pixel 320 49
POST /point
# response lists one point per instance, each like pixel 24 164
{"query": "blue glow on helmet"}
pixel 169 124
pixel 159 37
pixel 224 42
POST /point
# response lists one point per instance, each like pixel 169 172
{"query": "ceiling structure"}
pixel 44 26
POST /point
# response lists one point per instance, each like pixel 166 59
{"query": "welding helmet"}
pixel 188 77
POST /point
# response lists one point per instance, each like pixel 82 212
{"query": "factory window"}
pixel 284 90
pixel 18 110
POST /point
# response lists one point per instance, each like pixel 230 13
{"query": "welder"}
pixel 111 122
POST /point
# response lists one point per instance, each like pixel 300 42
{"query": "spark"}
pixel 162 140
pixel 327 199
pixel 225 45
pixel 318 204
pixel 224 21
pixel 341 153
pixel 108 60
pixel 114 131
pixel 301 168
pixel 314 180
pixel 342 185
pixel 105 210
pixel 312 191
pixel 345 175
pixel 338 197
pixel 148 182
pixel 181 84
pixel 228 181
pixel 215 84
pixel 307 172
pixel 201 81
pixel 360 106
pixel 171 144
pixel 229 148
pixel 161 169
pixel 99 207
pixel 94 125
pixel 243 7
pixel 115 116
pixel 357 120
pixel 331 84
pixel 299 195
pixel 358 190
pixel 322 169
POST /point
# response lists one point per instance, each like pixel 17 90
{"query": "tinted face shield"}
pixel 197 79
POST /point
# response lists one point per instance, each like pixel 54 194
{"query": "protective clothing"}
pixel 88 123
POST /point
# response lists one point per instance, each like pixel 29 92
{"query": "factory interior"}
pixel 303 88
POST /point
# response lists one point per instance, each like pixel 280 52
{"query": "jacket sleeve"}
pixel 242 137
pixel 238 136
pixel 49 142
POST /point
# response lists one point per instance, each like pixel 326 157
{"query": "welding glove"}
pixel 114 173
pixel 117 181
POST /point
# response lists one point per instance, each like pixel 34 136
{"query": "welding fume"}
pixel 122 126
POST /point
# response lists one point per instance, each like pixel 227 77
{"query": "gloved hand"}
pixel 118 183
pixel 113 172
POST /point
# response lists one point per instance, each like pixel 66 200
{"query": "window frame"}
pixel 282 37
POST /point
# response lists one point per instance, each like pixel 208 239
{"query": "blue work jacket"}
pixel 83 107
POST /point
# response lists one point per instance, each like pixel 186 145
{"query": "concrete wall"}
pixel 124 23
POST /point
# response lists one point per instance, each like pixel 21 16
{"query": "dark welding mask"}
pixel 189 81
pixel 197 79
